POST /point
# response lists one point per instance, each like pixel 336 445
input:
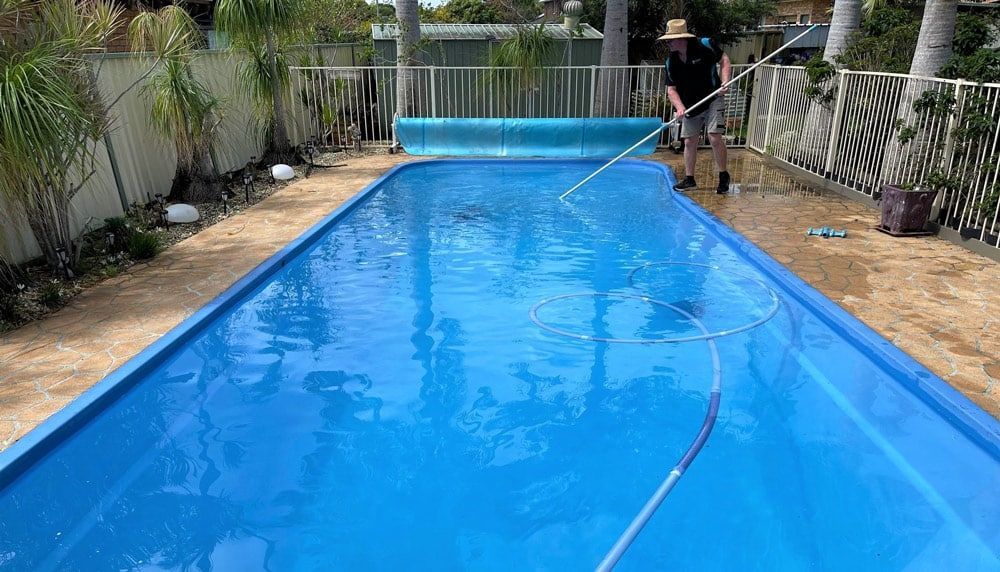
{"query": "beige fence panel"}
pixel 145 161
pixel 97 200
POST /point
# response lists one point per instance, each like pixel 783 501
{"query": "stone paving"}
pixel 936 300
pixel 44 365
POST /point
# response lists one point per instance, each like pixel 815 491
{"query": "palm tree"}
pixel 934 45
pixel 251 23
pixel 813 139
pixel 937 32
pixel 183 110
pixel 525 52
pixel 407 46
pixel 53 115
pixel 846 21
pixel 614 52
pixel 254 76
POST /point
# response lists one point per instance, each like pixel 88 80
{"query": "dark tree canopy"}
pixel 724 20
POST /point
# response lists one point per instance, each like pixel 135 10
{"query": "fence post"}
pixel 770 109
pixel 113 159
pixel 837 122
pixel 953 122
pixel 948 156
pixel 753 109
pixel 593 88
pixel 433 91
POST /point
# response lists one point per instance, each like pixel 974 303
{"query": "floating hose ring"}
pixel 715 393
pixel 771 311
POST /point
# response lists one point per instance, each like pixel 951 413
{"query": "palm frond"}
pixel 254 77
pixel 251 18
pixel 526 52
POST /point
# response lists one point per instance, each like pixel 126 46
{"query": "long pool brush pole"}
pixel 708 98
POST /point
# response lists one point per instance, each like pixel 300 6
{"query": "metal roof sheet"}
pixel 482 31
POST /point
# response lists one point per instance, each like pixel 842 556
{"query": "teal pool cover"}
pixel 558 138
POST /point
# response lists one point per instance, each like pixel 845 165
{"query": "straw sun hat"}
pixel 676 29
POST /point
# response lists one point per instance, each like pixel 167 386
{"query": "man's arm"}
pixel 727 72
pixel 675 100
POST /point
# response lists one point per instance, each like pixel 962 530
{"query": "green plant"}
pixel 143 245
pixel 972 137
pixel 820 87
pixel 526 52
pixel 344 21
pixel 51 294
pixel 10 307
pixel 117 225
pixel 182 109
pixel 53 118
pixel 976 57
pixel 885 41
pixel 470 12
pixel 905 133
pixel 724 20
pixel 110 270
pixel 263 28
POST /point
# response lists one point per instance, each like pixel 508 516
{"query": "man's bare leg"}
pixel 719 150
pixel 690 155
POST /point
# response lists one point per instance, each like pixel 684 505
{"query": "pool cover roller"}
pixel 498 137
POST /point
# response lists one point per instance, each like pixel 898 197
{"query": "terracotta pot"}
pixel 905 212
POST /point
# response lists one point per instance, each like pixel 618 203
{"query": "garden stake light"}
pixel 63 259
pixel 248 182
pixel 161 211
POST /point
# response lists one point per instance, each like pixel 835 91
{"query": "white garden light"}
pixel 282 172
pixel 181 213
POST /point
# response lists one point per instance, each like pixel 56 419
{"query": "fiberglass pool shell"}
pixel 376 396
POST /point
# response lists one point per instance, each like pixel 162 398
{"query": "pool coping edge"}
pixel 48 435
pixel 967 417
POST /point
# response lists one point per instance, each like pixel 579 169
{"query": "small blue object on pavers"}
pixel 826 232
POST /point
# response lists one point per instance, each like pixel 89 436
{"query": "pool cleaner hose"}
pixel 715 393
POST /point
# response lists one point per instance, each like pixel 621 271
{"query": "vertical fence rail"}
pixel 874 129
pixel 326 101
pixel 854 135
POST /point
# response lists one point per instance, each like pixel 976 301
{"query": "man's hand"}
pixel 724 90
pixel 679 113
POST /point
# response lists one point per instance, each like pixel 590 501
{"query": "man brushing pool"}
pixel 692 75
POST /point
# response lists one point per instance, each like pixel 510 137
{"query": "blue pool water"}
pixel 383 401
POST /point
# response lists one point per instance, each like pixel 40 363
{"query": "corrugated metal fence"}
pixel 852 138
pixel 145 162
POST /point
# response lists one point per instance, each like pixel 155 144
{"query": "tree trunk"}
pixel 280 148
pixel 205 185
pixel 814 137
pixel 406 56
pixel 48 218
pixel 612 86
pixel 181 183
pixel 845 22
pixel 937 32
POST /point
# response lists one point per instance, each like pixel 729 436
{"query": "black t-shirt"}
pixel 698 77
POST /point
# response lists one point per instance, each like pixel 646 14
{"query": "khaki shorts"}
pixel 714 117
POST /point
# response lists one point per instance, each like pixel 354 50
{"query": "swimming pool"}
pixel 379 397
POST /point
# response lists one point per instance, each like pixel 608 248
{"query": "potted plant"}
pixel 906 209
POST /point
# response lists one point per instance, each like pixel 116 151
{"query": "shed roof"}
pixel 482 31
